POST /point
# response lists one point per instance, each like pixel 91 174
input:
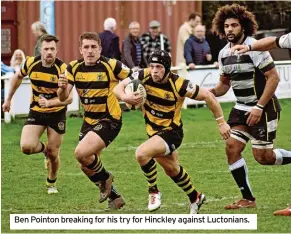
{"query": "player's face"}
pixel 157 72
pixel 91 51
pixel 134 30
pixel 48 51
pixel 233 30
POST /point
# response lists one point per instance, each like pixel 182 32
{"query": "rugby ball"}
pixel 133 86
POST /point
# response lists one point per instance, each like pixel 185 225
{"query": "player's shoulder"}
pixel 31 61
pixel 174 77
pixel 224 52
pixel 59 62
pixel 76 62
pixel 177 81
pixel 141 74
pixel 249 40
pixel 255 55
pixel 111 61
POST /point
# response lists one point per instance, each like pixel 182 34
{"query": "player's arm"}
pixel 222 86
pixel 65 83
pixel 212 103
pixel 264 62
pixel 187 89
pixel 64 89
pixel 132 98
pixel 43 102
pixel 270 88
pixel 15 82
pixel 264 44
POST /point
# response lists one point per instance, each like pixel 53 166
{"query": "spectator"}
pixel 109 40
pixel 38 30
pixel 197 50
pixel 5 69
pixel 184 33
pixel 154 40
pixel 132 55
pixel 216 44
pixel 17 60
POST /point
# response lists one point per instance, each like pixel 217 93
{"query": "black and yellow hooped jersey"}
pixel 95 86
pixel 162 109
pixel 44 81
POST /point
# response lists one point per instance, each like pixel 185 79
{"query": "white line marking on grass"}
pixel 208 200
pixel 197 172
pixel 188 144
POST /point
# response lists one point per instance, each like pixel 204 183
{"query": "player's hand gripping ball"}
pixel 136 86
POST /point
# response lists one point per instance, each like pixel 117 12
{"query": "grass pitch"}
pixel 201 154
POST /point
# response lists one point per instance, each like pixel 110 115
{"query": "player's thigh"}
pixel 264 134
pixel 153 147
pixel 89 145
pixel 94 138
pixel 31 134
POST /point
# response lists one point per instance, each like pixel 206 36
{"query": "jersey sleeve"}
pixel 120 70
pixel 25 68
pixel 69 72
pixel 284 41
pixel 140 75
pixel 63 68
pixel 221 71
pixel 263 61
pixel 186 88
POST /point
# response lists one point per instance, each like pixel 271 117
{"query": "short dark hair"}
pixel 49 38
pixel 236 11
pixel 90 36
pixel 193 16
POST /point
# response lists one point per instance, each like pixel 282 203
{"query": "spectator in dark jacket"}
pixel 132 55
pixel 109 40
pixel 197 50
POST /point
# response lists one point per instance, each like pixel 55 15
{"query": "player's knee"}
pixel 27 148
pixel 264 156
pixel 79 154
pixel 141 155
pixel 230 147
pixel 52 152
pixel 53 156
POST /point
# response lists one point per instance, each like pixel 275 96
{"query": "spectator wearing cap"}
pixel 196 49
pixel 132 55
pixel 154 40
pixel 109 40
pixel 184 33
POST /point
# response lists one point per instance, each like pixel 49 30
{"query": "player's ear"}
pixel 80 48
